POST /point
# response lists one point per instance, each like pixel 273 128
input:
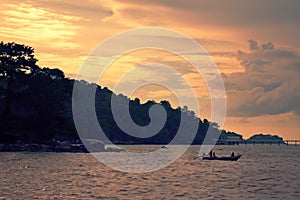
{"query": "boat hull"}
pixel 229 158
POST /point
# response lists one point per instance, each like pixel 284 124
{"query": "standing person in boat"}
pixel 232 154
pixel 214 154
pixel 211 154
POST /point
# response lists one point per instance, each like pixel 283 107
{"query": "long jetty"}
pixel 292 141
pixel 279 142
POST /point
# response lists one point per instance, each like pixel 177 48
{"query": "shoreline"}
pixel 63 147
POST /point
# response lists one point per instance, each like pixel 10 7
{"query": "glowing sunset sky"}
pixel 255 44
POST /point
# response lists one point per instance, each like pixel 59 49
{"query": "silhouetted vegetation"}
pixel 265 138
pixel 36 105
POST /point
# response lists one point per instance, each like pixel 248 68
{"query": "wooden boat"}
pixel 225 158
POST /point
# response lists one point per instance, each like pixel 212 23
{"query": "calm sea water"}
pixel 263 172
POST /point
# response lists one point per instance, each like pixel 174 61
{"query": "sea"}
pixel 263 172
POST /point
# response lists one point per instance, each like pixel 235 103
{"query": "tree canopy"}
pixel 16 61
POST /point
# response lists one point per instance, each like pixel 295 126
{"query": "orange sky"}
pixel 261 80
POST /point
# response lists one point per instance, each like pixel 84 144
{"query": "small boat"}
pixel 226 158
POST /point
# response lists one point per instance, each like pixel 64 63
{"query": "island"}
pixel 264 139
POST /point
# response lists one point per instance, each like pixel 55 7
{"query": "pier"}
pixel 260 142
pixel 295 142
pixel 270 142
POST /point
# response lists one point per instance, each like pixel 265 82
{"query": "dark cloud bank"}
pixel 269 85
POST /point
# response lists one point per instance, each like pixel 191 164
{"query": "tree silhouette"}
pixel 16 61
pixel 37 105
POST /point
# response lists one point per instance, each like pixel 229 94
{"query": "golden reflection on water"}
pixel 81 176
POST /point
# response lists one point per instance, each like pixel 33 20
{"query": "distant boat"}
pixel 225 158
pixel 163 147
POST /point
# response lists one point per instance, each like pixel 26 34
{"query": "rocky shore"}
pixel 64 147
pixel 55 147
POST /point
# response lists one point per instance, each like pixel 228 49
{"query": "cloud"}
pixel 46 28
pixel 87 9
pixel 268 46
pixel 62 32
pixel 269 85
pixel 242 13
pixel 229 20
pixel 253 45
